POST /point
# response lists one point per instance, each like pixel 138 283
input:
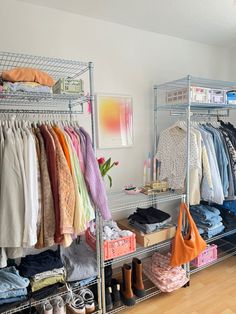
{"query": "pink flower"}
pixel 116 163
pixel 101 160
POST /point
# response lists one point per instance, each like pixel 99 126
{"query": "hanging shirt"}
pixel 218 196
pixel 66 192
pixel 92 175
pixel 48 211
pixel 64 146
pixel 172 153
pixel 12 209
pixel 52 169
pixel 30 164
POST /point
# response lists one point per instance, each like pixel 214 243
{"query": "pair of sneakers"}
pixel 82 302
pixel 56 306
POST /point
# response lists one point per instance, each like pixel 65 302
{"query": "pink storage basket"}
pixel 113 248
pixel 207 256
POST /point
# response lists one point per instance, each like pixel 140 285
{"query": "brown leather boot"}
pixel 137 278
pixel 126 291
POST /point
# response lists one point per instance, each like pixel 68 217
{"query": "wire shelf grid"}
pixel 31 99
pixel 120 201
pixel 195 107
pixel 173 96
pixel 196 81
pixel 150 292
pixel 55 67
pixel 31 303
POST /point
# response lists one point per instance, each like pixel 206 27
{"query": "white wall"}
pixel 127 61
pixel 233 63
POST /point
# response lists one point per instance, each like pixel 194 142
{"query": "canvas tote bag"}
pixel 186 248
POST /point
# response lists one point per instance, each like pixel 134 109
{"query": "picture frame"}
pixel 114 121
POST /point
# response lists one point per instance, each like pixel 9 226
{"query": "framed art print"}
pixel 114 121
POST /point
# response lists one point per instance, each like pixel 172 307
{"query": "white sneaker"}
pixel 88 298
pixel 58 306
pixel 77 306
pixel 47 308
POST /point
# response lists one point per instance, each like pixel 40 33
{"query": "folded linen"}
pixel 38 263
pixel 48 274
pixel 79 261
pixel 28 87
pixel 37 285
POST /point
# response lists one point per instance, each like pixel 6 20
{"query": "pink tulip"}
pixel 101 160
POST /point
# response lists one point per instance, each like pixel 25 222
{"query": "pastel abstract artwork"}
pixel 114 121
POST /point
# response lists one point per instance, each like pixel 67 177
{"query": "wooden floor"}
pixel 212 291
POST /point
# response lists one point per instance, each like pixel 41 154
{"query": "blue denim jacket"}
pixel 218 195
pixel 222 159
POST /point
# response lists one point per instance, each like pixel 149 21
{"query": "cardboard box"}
pixel 150 238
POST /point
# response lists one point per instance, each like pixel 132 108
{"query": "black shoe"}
pixel 108 275
pixel 109 304
pixel 115 292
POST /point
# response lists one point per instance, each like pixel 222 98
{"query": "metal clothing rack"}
pixel 51 104
pixel 190 109
pixel 119 201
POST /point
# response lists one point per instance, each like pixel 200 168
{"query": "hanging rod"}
pixel 40 111
pixel 207 115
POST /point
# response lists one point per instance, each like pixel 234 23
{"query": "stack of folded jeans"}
pixel 43 270
pixel 208 220
pixel 228 213
pixel 12 286
pixel 149 219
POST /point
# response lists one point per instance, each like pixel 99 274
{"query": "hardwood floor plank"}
pixel 211 291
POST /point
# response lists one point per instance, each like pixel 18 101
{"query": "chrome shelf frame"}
pixel 18 99
pixel 55 67
pixel 52 104
pixel 120 201
pixel 190 109
pixel 195 81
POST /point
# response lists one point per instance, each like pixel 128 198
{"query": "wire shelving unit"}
pixel 119 202
pixel 51 104
pixel 187 108
pixel 57 68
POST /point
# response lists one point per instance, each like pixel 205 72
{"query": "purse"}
pixel 186 248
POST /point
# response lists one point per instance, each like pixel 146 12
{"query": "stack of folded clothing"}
pixel 12 286
pixel 28 87
pixel 26 80
pixel 228 213
pixel 166 278
pixel 149 219
pixel 208 220
pixel 80 263
pixel 43 270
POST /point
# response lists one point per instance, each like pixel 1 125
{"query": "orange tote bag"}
pixel 186 248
